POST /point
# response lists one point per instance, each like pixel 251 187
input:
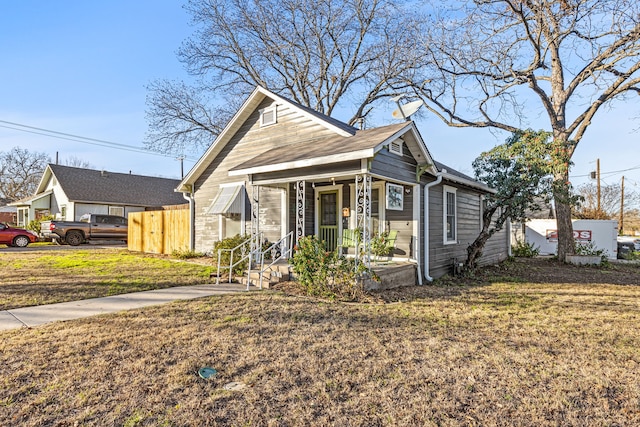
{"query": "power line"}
pixel 84 140
pixel 608 173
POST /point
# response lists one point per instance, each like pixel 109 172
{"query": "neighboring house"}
pixel 279 168
pixel 67 193
pixel 8 214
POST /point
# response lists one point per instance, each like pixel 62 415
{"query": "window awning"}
pixel 227 201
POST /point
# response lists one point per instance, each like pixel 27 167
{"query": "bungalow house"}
pixel 67 193
pixel 280 169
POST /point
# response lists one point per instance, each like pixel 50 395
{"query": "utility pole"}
pixel 622 207
pixel 598 178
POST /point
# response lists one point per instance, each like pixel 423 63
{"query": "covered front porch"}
pixel 352 213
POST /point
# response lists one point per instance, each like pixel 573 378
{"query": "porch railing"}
pixel 285 248
pixel 329 234
pixel 237 255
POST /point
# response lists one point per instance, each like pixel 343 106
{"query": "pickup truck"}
pixel 90 226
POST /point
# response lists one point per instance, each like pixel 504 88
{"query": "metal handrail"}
pixel 286 253
pixel 231 263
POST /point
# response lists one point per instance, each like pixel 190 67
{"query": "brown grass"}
pixel 45 277
pixel 503 350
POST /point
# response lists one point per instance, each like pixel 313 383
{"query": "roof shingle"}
pixel 89 185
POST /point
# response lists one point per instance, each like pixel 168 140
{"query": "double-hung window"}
pixel 450 215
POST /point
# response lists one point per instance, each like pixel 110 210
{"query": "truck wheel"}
pixel 21 241
pixel 74 238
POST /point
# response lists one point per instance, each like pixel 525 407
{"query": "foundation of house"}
pixel 392 275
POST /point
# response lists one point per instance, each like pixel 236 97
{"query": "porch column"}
pixel 300 198
pixel 255 221
pixel 363 216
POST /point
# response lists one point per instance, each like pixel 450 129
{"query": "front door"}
pixel 328 221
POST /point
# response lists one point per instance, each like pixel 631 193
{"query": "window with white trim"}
pixel 483 208
pixel 116 210
pixel 268 116
pixel 450 215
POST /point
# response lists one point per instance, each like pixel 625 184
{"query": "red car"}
pixel 16 236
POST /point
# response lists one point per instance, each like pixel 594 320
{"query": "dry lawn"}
pixel 529 343
pixel 45 277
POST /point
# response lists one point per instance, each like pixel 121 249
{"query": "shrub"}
pixel 311 263
pixel 525 250
pixel 34 225
pixel 185 254
pixel 323 273
pixel 590 249
pixel 230 243
pixel 380 244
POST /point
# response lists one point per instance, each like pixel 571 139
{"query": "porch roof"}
pixel 320 151
pixel 28 201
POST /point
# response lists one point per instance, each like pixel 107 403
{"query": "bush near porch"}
pixel 324 273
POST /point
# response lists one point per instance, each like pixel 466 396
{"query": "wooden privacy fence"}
pixel 159 232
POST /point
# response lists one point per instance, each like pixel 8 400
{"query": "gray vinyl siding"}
pixel 248 142
pixel 402 221
pixel 394 166
pixel 441 255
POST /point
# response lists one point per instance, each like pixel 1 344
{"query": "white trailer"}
pixel 543 234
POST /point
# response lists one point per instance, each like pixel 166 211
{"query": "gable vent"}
pixel 395 147
pixel 268 116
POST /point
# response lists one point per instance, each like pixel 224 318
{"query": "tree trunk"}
pixel 563 218
pixel 565 230
pixel 474 251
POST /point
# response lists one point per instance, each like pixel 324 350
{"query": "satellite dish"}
pixel 405 111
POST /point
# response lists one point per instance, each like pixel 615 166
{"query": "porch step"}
pixel 279 272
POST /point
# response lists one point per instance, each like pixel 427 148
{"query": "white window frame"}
pixel 112 208
pixel 482 202
pixel 397 189
pixel 222 219
pixel 445 213
pixel 264 113
pixel 395 146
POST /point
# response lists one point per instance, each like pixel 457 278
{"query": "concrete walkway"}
pixel 41 314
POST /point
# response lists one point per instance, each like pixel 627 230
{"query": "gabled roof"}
pixel 363 144
pixel 247 108
pixel 95 186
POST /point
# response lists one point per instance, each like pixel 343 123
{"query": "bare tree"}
pixel 20 172
pixel 76 162
pixel 610 196
pixel 320 53
pixel 492 63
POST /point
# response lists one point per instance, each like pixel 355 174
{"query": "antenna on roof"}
pixel 407 110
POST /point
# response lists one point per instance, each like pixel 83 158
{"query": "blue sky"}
pixel 81 67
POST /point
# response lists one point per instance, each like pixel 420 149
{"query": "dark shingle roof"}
pixel 452 171
pixel 88 185
pixel 335 144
